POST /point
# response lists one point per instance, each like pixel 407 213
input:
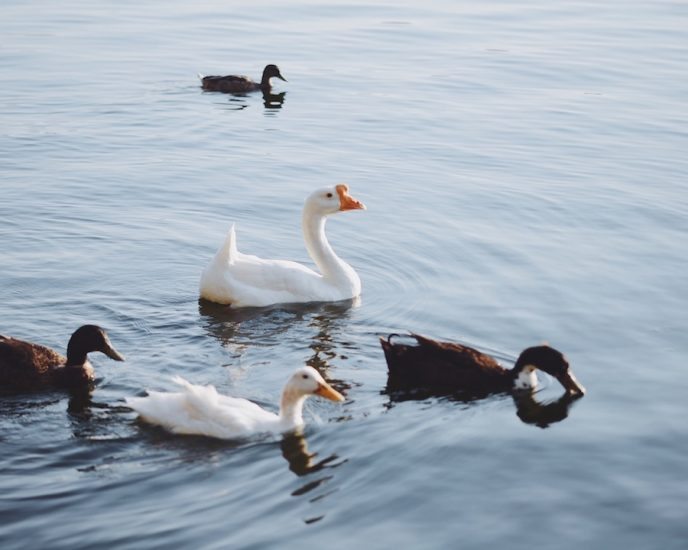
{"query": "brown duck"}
pixel 232 84
pixel 448 367
pixel 24 365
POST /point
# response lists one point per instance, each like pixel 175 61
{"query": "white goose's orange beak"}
pixel 328 392
pixel 346 201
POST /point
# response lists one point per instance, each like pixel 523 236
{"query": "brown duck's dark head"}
pixel 269 72
pixel 86 339
pixel 553 362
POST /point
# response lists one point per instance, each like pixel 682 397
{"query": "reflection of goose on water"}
pixel 242 280
pixel 242 329
pixel 200 410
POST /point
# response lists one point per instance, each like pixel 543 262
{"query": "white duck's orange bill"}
pixel 346 201
pixel 328 392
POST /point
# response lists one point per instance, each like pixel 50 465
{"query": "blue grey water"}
pixel 525 166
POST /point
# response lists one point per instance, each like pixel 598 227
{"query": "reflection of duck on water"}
pixel 273 101
pixel 531 411
pixel 301 460
pixel 528 408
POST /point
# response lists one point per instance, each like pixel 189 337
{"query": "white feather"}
pixel 526 379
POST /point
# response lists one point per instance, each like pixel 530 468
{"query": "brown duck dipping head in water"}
pixel 26 366
pixel 447 367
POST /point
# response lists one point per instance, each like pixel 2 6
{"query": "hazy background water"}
pixel 524 166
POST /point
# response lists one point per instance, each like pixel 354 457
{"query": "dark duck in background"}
pixel 27 366
pixel 232 84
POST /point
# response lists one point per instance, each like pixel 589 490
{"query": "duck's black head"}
pixel 552 362
pixel 86 339
pixel 271 71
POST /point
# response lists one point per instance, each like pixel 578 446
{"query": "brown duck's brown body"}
pixel 17 355
pixel 443 366
pixel 229 84
pixel 25 365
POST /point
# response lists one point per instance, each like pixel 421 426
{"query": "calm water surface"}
pixel 524 166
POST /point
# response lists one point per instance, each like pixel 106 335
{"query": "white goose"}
pixel 242 280
pixel 200 410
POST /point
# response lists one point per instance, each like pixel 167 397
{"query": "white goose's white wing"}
pixel 246 280
pixel 201 410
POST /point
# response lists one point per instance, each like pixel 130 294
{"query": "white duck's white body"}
pixel 244 280
pixel 200 410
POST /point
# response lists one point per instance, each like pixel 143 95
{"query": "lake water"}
pixel 524 165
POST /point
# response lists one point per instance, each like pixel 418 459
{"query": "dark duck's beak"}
pixel 109 350
pixel 572 386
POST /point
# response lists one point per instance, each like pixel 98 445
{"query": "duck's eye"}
pixel 329 195
pixel 304 376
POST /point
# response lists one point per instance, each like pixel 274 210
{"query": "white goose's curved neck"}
pixel 291 409
pixel 319 249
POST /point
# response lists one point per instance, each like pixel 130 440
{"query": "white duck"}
pixel 200 410
pixel 242 280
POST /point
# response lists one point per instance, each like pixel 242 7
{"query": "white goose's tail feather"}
pixel 214 278
pixel 228 251
pixel 233 251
